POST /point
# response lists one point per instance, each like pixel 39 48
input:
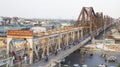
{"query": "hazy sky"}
pixel 62 9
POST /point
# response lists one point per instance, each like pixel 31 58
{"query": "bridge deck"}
pixel 61 54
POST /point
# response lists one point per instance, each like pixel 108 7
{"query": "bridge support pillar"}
pixel 67 38
pixel 78 34
pixel 92 37
pixel 73 36
pixel 82 33
pixel 48 43
pixel 8 47
pixel 59 42
pixel 43 54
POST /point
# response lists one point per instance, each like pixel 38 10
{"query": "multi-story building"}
pixel 37 29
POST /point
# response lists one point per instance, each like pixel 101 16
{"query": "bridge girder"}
pixel 91 21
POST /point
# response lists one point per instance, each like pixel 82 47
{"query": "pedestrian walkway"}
pixel 60 55
pixel 43 63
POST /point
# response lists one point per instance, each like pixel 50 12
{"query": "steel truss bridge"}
pixel 89 25
pixel 68 39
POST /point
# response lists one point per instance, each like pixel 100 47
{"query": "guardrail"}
pixel 6 61
pixel 67 52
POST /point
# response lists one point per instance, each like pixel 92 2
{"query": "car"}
pixel 111 59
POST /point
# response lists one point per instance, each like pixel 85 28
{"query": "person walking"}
pixel 46 58
pixel 13 53
pixel 91 55
pixel 56 52
pixel 19 61
pixel 25 58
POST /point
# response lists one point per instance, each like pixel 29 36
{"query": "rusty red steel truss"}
pixel 91 21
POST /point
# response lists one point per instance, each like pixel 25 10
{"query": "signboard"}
pixel 20 33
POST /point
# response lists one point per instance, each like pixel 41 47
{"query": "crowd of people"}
pixel 18 59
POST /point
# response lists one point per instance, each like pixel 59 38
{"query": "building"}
pixel 65 24
pixel 37 29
